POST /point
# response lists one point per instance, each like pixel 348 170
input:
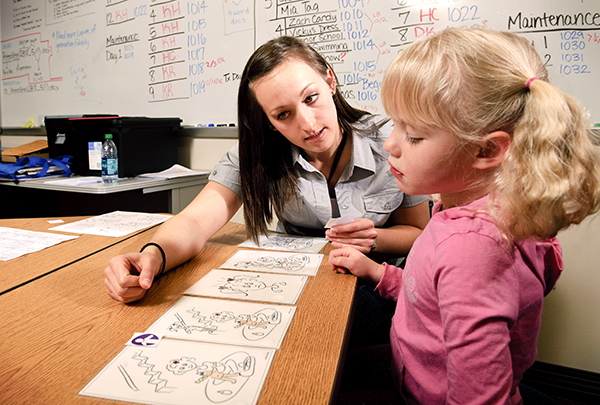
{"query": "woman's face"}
pixel 299 103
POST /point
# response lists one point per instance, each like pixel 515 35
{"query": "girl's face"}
pixel 299 103
pixel 427 162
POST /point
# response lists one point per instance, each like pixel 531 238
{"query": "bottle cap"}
pixel 108 136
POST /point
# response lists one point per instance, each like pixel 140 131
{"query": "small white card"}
pixel 275 262
pixel 346 219
pixel 243 285
pixel 184 372
pixel 225 321
pixel 287 243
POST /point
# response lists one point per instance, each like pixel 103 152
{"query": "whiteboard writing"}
pixel 184 58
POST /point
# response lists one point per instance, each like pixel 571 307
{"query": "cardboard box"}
pixel 36 148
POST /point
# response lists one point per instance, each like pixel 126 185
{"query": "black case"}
pixel 144 145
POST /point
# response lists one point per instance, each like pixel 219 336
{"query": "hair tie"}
pixel 529 81
pixel 162 253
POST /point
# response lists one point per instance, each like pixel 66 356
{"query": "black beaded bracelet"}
pixel 162 252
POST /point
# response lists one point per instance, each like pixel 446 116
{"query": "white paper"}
pixel 287 243
pixel 184 372
pixel 117 223
pixel 18 242
pixel 174 171
pixel 275 262
pixel 242 285
pixel 225 321
pixel 346 219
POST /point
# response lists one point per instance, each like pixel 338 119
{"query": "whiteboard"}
pixel 184 58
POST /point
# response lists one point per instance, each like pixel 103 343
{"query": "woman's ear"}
pixel 492 149
pixel 331 80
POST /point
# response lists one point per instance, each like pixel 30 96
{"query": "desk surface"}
pixel 31 266
pixel 132 183
pixel 59 331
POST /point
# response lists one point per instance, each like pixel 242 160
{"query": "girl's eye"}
pixel 283 115
pixel 411 139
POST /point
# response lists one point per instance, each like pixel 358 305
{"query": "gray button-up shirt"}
pixel 366 188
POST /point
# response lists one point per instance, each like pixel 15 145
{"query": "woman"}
pixel 305 156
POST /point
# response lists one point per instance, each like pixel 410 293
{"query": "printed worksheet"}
pixel 242 285
pixel 18 242
pixel 184 372
pixel 225 321
pixel 117 223
pixel 287 243
pixel 275 262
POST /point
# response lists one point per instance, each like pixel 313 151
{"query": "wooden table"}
pixel 24 269
pixel 60 330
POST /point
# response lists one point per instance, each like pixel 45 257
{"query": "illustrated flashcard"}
pixel 275 262
pixel 242 285
pixel 116 224
pixel 287 243
pixel 184 372
pixel 225 321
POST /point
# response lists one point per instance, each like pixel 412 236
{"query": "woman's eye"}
pixel 283 115
pixel 311 98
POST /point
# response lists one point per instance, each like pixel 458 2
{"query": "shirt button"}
pixel 386 206
pixel 214 172
pixel 344 207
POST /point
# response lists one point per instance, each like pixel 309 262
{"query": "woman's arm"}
pixel 181 237
pixel 407 224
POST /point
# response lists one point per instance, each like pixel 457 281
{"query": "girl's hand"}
pixel 346 260
pixel 360 234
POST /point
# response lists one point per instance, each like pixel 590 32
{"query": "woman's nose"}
pixel 306 120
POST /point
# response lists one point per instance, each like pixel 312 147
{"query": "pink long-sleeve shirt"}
pixel 468 309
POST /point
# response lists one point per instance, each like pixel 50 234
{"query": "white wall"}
pixel 570 333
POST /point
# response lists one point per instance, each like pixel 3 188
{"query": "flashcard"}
pixel 242 285
pixel 184 372
pixel 287 243
pixel 225 321
pixel 346 219
pixel 275 262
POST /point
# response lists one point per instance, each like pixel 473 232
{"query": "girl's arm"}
pixel 347 260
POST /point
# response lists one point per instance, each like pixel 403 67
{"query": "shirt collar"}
pixel 362 157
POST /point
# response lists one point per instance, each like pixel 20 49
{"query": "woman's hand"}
pixel 129 276
pixel 359 234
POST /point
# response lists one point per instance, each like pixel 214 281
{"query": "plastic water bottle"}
pixel 110 161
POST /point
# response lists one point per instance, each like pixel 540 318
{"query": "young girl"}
pixel 477 122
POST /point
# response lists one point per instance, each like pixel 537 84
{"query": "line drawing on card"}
pixel 180 324
pixel 155 376
pixel 288 242
pixel 242 284
pixel 266 319
pixel 127 378
pixel 290 264
pixel 225 378
pixel 228 376
pixel 254 326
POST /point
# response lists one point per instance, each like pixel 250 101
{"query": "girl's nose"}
pixel 392 145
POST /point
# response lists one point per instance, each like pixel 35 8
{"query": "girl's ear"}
pixel 492 149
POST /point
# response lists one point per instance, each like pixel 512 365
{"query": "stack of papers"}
pixel 172 172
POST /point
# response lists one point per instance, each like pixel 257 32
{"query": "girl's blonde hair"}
pixel 473 82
